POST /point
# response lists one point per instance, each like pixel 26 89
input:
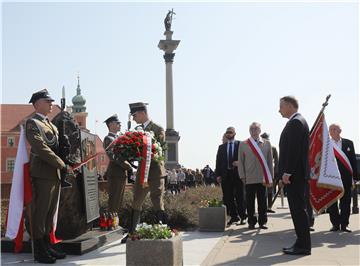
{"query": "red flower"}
pixel 137 154
pixel 138 144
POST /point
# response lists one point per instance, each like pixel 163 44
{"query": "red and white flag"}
pixel 20 194
pixel 325 180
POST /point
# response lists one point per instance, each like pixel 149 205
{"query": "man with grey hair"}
pixel 346 161
pixel 255 155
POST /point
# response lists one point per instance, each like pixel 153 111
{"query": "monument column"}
pixel 172 137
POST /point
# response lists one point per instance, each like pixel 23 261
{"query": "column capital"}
pixel 169 57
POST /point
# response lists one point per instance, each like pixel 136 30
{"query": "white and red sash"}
pixel 341 156
pixel 146 158
pixel 267 179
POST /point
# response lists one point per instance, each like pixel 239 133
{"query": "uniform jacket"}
pixel 347 147
pixel 157 169
pixel 294 149
pixel 222 159
pixel 43 139
pixel 117 166
pixel 250 170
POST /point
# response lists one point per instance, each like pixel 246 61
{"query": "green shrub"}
pixel 182 208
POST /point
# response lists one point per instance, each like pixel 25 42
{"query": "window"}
pixel 11 141
pixel 10 163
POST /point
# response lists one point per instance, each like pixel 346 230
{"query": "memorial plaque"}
pixel 88 149
pixel 171 152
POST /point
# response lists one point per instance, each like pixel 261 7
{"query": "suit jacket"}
pixel 222 159
pixel 43 139
pixel 157 169
pixel 117 166
pixel 347 147
pixel 250 170
pixel 294 149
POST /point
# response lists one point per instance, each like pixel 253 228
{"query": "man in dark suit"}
pixel 294 171
pixel 340 221
pixel 227 174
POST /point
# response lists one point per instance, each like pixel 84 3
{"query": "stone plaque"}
pixel 171 152
pixel 88 149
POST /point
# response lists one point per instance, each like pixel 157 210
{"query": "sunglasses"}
pixel 229 132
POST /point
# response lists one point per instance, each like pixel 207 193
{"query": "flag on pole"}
pixel 325 180
pixel 20 194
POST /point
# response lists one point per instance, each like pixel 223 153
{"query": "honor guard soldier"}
pixel 157 172
pixel 116 173
pixel 45 166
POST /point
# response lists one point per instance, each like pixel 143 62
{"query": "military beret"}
pixel 135 107
pixel 265 135
pixel 113 118
pixel 43 94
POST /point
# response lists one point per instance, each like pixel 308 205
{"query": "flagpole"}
pixel 321 112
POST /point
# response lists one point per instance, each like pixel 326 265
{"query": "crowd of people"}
pixel 180 179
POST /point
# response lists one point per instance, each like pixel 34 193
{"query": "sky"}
pixel 234 62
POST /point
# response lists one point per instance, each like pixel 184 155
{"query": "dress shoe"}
pixel 263 227
pixel 311 229
pixel 270 211
pixel 233 220
pixel 289 247
pixel 297 251
pixel 251 226
pixel 334 228
pixel 345 229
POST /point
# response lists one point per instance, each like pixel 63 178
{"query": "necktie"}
pixel 230 156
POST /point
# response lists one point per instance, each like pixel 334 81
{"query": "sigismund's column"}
pixel 172 137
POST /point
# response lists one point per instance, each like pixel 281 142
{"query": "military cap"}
pixel 265 135
pixel 134 107
pixel 43 94
pixel 113 118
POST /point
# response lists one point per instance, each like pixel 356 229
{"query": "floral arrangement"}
pixel 130 146
pixel 156 231
pixel 211 203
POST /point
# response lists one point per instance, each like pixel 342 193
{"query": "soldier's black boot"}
pixel 41 253
pixel 55 252
pixel 162 216
pixel 135 219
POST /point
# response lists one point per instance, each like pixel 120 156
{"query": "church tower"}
pixel 78 108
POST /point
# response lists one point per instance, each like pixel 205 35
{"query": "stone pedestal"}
pixel 172 152
pixel 212 219
pixel 154 252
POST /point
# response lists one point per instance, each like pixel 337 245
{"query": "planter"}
pixel 212 219
pixel 154 252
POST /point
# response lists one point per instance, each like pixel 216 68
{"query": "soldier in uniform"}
pixel 157 172
pixel 116 172
pixel 45 166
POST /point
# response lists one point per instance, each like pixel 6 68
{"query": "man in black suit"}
pixel 294 171
pixel 340 221
pixel 227 174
